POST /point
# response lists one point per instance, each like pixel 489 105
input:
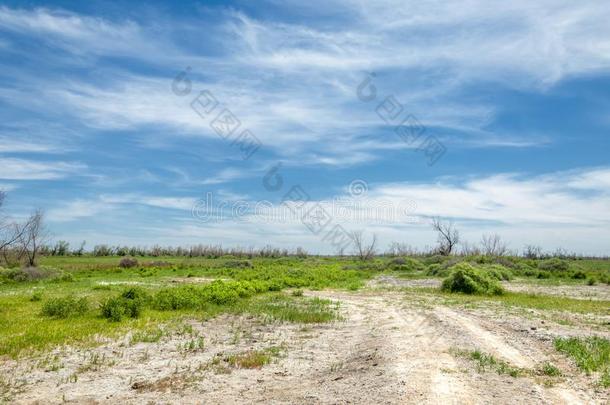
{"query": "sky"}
pixel 285 123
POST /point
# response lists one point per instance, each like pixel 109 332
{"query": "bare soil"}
pixel 388 348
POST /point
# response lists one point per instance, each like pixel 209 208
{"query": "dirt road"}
pixel 385 350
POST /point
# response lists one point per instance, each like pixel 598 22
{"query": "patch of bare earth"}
pixel 387 349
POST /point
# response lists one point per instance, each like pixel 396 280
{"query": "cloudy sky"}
pixel 191 122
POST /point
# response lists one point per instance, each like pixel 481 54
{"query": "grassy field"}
pixel 28 320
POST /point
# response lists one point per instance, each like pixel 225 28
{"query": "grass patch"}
pixel 487 362
pixel 253 358
pixel 526 300
pixel 65 307
pixel 294 309
pixel 591 354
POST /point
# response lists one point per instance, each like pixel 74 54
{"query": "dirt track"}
pixel 386 350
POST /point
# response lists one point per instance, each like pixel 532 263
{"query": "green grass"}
pixel 487 362
pixel 525 300
pixel 252 358
pixel 293 309
pixel 101 284
pixel 24 326
pixel 591 354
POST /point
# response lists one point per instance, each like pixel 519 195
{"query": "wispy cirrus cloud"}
pixel 23 169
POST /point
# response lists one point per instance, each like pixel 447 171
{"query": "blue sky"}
pixel 517 95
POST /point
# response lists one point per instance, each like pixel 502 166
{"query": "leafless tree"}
pixel 493 245
pixel 448 236
pixel 364 250
pixel 470 249
pixel 532 252
pixel 401 249
pixel 33 236
pixel 10 233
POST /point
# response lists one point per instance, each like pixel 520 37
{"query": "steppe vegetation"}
pixel 440 324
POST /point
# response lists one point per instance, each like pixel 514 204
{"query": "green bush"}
pixel 217 293
pixel 405 264
pixel 467 279
pixel 437 270
pixel 579 275
pixel 498 272
pixel 129 304
pixel 554 265
pixel 65 307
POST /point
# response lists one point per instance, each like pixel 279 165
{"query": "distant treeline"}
pixel 62 248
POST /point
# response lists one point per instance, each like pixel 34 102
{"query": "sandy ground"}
pixel 387 349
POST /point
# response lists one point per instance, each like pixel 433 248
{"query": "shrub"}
pixel 591 281
pixel 217 293
pixel 37 296
pixel 128 262
pixel 467 279
pixel 65 307
pixel 499 272
pixel 238 264
pixel 579 275
pixel 406 264
pixel 543 274
pixel 553 265
pixel 30 274
pixel 437 270
pixel 130 304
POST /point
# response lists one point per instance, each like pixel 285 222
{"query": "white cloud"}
pixel 22 169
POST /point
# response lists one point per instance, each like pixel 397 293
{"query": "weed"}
pixel 549 369
pixel 147 336
pixel 193 345
pixel 486 362
pixel 250 359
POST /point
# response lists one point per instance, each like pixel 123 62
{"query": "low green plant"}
pixel 549 369
pixel 64 307
pixel 591 354
pixel 303 310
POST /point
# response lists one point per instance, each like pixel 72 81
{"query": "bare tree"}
pixel 10 233
pixel 401 249
pixel 493 245
pixel 33 236
pixel 364 250
pixel 532 252
pixel 448 236
pixel 469 249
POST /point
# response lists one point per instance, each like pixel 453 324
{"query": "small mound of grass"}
pixel 464 278
pixel 65 307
